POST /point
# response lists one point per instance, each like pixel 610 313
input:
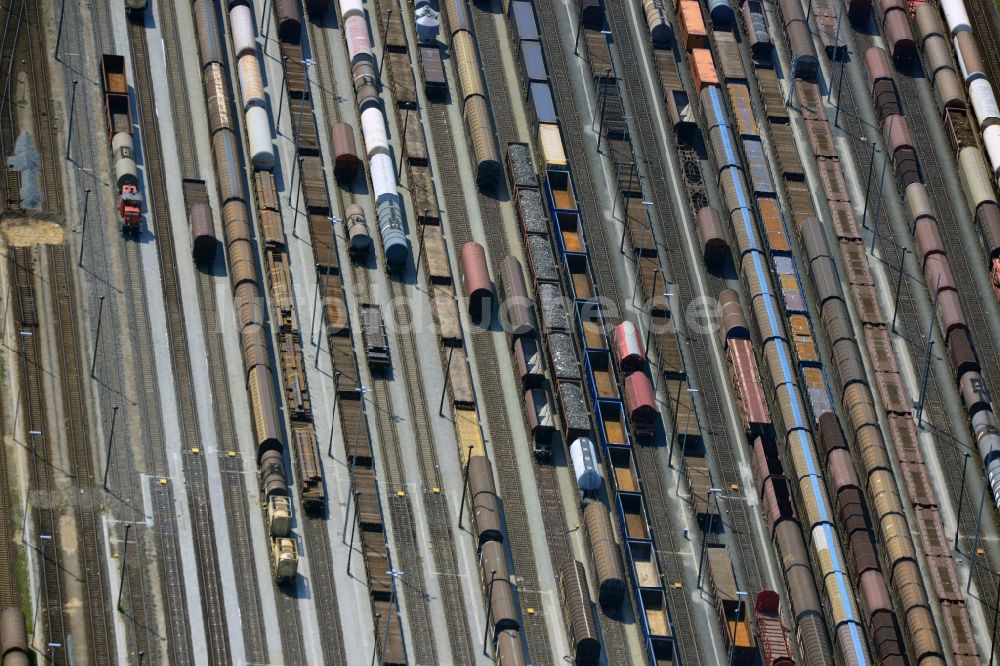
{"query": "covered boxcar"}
pixel 203 242
pixel 640 401
pixel 712 236
pixel 629 350
pixel 345 150
pixel 476 278
pixel 574 596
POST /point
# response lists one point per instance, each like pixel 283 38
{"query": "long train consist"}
pixel 616 137
pixel 304 448
pixel 497 571
pixel 795 426
pixel 623 403
pixel 852 510
pixel 856 395
pixel 921 636
pixel 318 201
pixel 608 390
pixel 247 293
pixel 957 116
pixel 637 410
pixel 981 197
pixel 973 71
pixel 714 244
pixel 529 346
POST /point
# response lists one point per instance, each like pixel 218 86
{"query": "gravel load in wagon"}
pixel 532 212
pixel 553 307
pixel 563 353
pixel 522 171
pixel 575 416
pixel 543 263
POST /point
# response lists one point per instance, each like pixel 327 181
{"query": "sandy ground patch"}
pixel 27 229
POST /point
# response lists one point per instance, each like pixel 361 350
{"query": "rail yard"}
pixel 607 332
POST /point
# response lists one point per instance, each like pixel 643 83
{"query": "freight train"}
pixel 958 121
pixel 931 252
pixel 934 260
pixel 622 401
pixel 118 112
pixel 247 290
pixel 788 298
pixel 971 66
pixel 795 426
pixel 503 621
pixel 519 318
pixel 922 637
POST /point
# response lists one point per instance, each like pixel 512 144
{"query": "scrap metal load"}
pixel 119 116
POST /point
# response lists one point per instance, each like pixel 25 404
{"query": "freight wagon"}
pixel 732 607
pixel 374 337
pixel 774 645
pixel 13 637
pixel 435 81
pixel 574 597
pixel 201 223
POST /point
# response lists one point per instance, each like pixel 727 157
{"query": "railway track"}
pixel 400 503
pixel 236 506
pixel 699 358
pixel 488 369
pixel 178 637
pixel 101 639
pixel 22 37
pixel 21 21
pixel 647 460
pixel 432 494
pixel 554 518
pixel 33 397
pixel 22 40
pixel 434 498
pixel 314 529
pixel 100 251
pixel 487 365
pixel 950 445
pixel 193 461
pixel 721 444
